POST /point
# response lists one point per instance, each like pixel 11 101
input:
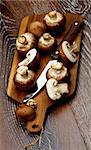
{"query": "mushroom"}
pixel 25 42
pixel 46 43
pixel 32 103
pixel 25 113
pixel 58 72
pixel 55 21
pixel 56 90
pixel 67 55
pixel 37 28
pixel 24 79
pixel 32 60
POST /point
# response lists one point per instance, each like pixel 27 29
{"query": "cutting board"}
pixel 42 99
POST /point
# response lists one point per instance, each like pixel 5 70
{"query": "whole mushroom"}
pixel 25 42
pixel 46 43
pixel 25 112
pixel 58 72
pixel 37 28
pixel 56 90
pixel 24 79
pixel 55 21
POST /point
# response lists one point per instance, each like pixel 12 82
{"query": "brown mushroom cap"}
pixel 54 20
pixel 24 79
pixel 37 28
pixel 25 42
pixel 25 112
pixel 46 43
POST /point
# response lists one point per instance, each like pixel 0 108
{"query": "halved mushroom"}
pixel 56 90
pixel 46 43
pixel 24 79
pixel 67 54
pixel 55 21
pixel 25 42
pixel 32 60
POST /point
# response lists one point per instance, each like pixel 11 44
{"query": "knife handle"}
pixel 70 37
pixel 73 31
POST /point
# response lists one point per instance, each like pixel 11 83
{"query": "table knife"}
pixel 40 81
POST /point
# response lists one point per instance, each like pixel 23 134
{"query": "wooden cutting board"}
pixel 42 100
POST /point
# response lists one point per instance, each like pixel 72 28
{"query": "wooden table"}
pixel 67 127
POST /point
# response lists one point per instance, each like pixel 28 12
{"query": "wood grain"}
pixel 67 127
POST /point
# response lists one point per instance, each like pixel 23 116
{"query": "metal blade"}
pixel 40 81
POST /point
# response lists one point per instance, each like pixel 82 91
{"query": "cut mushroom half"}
pixel 32 59
pixel 56 90
pixel 67 53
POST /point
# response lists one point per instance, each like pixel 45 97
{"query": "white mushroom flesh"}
pixel 22 70
pixel 57 71
pixel 32 103
pixel 29 57
pixel 48 41
pixel 29 38
pixel 56 90
pixel 23 75
pixel 57 65
pixel 58 74
pixel 53 17
pixel 67 51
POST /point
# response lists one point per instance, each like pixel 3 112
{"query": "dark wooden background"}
pixel 67 127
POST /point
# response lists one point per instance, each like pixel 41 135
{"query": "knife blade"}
pixel 40 81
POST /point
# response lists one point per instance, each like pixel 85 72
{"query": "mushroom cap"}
pixel 68 53
pixel 25 112
pixel 25 42
pixel 54 20
pixel 37 28
pixel 46 43
pixel 56 90
pixel 24 79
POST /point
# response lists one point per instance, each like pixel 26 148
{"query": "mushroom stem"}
pixel 22 40
pixel 53 14
pixel 46 36
pixel 74 47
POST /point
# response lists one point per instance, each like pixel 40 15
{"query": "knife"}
pixel 70 36
pixel 40 81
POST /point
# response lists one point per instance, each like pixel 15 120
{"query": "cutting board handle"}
pixel 42 105
pixel 37 124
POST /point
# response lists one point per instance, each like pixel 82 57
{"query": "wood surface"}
pixel 67 127
pixel 42 99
